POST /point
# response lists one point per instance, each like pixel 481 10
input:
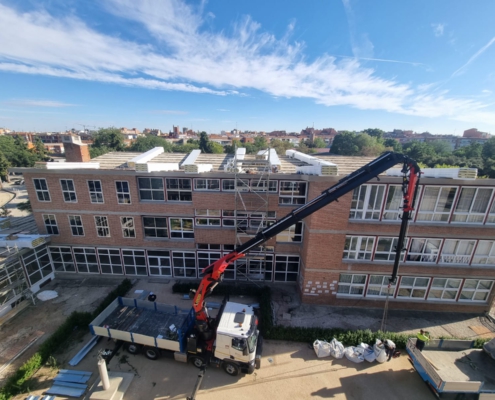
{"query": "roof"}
pixel 229 324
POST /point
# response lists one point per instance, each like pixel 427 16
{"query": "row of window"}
pixel 415 288
pixel 421 250
pixel 168 263
pixel 448 204
pixel 175 228
pixel 159 189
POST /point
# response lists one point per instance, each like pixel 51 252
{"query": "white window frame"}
pixel 155 228
pixel 354 248
pixel 42 190
pixel 133 268
pixel 435 214
pixel 76 226
pixel 68 193
pixel 128 227
pixel 96 194
pixel 289 190
pixel 442 291
pixel 255 267
pixel 58 255
pixel 290 234
pixel 114 266
pixel 367 201
pixel 39 258
pixel 205 220
pixel 355 283
pixel 287 262
pixel 468 215
pixel 388 255
pixel 180 190
pixel 479 287
pixel 51 225
pixel 186 270
pixel 260 185
pixel 488 258
pixel 86 251
pixel 414 287
pixel 463 250
pixel 206 258
pixel 159 263
pixel 123 195
pixel 158 192
pixel 228 185
pixel 490 220
pixel 102 226
pixel 176 233
pixel 394 201
pixel 424 256
pixel 207 185
pixel 380 284
pixel 206 247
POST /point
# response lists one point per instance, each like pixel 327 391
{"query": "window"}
pixel 444 289
pixel 62 259
pixel 41 189
pixel 291 234
pixel 68 190
pixel 491 215
pixel 358 247
pixel 378 286
pixel 393 203
pixel 292 192
pixel 386 249
pixel 367 202
pixel 436 204
pixel 228 185
pixel 457 251
pixel 37 263
pixel 155 227
pixel 50 224
pixel 255 267
pixel 179 190
pixel 352 285
pixel 412 287
pixel 123 192
pixel 485 253
pixel 128 228
pixel 207 258
pixel 95 191
pixel 286 268
pixel 204 246
pixel 134 262
pixel 102 228
pixel 207 184
pixel 476 290
pixel 423 250
pixel 159 263
pixel 86 260
pixel 151 189
pixel 182 228
pixel 110 261
pixel 208 221
pixel 76 225
pixel 184 264
pixel 259 185
pixel 472 205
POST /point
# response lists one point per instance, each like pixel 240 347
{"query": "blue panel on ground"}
pixel 70 384
pixel 85 350
pixel 75 372
pixel 65 391
pixel 72 378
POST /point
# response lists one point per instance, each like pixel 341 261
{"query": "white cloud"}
pixel 36 103
pixel 438 29
pixel 361 44
pixel 186 57
pixel 474 57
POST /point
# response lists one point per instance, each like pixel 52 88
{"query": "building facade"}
pixel 120 221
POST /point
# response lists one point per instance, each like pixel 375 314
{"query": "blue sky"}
pixel 254 65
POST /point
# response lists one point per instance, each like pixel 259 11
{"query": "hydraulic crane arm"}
pixel 213 273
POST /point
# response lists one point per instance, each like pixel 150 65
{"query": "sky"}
pixel 419 65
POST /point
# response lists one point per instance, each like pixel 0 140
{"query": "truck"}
pixel 231 340
pixel 454 369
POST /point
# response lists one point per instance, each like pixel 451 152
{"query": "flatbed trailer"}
pixel 454 367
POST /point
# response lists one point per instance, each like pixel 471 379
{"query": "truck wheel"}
pixel 133 348
pixel 197 361
pixel 230 368
pixel 151 353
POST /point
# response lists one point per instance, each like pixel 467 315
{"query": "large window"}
pixel 424 250
pixel 386 249
pixel 86 260
pixel 207 258
pixel 491 214
pixel 159 263
pixel 134 262
pixel 207 184
pixel 50 224
pixel 393 203
pixel 445 289
pixel 485 253
pixel 76 225
pixel 123 192
pixel 412 287
pixel 41 188
pixel 228 185
pixel 151 189
pixel 286 268
pixel 179 190
pixel 380 286
pixel 128 228
pixel 184 264
pixel 37 263
pixel 110 261
pixel 367 202
pixel 182 228
pixel 472 205
pixel 208 217
pixel 358 247
pixel 477 290
pixel 102 228
pixel 261 185
pixel 68 190
pixel 436 203
pixel 155 227
pixel 291 234
pixel 255 267
pixel 292 192
pixel 62 259
pixel 95 191
pixel 457 251
pixel 352 284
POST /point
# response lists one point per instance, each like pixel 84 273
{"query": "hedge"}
pixel 19 381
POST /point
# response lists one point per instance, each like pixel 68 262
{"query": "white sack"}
pixel 322 348
pixel 336 348
pixel 354 354
pixel 380 353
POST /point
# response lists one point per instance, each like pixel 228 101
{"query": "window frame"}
pixel 179 190
pixel 351 285
pixel 286 272
pixel 181 234
pixel 150 255
pixel 43 191
pixel 62 261
pixel 151 190
pixel 433 213
pixel 475 291
pixel 176 255
pixel 207 185
pixel 490 255
pixel 134 254
pixel 357 250
pixel 444 289
pixel 291 232
pixel 413 287
pixel 155 227
pixel 464 258
pixel 110 265
pixel 105 227
pixel 422 254
pixel 295 199
pixel 390 254
pixel 375 210
pixel 95 193
pixel 81 227
pixel 480 216
pixel 383 287
pixel 75 250
pixel 69 195
pixel 123 195
pixel 129 229
pixel 52 226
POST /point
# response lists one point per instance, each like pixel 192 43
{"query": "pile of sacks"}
pixel 355 354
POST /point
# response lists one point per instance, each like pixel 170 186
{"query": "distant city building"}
pixel 153 131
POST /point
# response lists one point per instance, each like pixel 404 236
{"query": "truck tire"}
pixel 151 353
pixel 230 368
pixel 133 348
pixel 197 361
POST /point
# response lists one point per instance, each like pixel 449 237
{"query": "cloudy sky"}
pixel 255 65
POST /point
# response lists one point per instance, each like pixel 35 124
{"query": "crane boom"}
pixel 213 274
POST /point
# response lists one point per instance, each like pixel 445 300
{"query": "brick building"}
pixel 123 221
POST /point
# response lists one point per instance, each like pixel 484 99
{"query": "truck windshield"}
pixel 252 340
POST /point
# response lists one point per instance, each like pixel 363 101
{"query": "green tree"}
pixel 16 152
pixel 4 167
pixel 98 151
pixel 419 151
pixel 375 132
pixel 281 146
pixel 185 147
pixel 204 142
pixel 25 206
pixel 345 144
pixel 319 143
pixel 393 144
pixel 39 150
pixel 303 148
pixel 441 147
pixel 369 145
pixel 230 148
pixel 260 143
pixel 110 138
pixel 148 142
pixel 473 150
pixel 215 148
pixel 488 151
